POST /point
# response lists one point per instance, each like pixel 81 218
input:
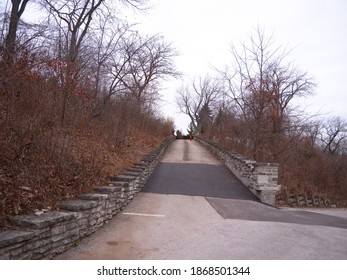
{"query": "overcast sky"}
pixel 202 31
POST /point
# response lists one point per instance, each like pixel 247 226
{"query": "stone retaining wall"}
pixel 43 236
pixel 260 178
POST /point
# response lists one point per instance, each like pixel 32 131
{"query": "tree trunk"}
pixel 16 12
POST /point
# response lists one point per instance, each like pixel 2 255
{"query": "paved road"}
pixel 193 208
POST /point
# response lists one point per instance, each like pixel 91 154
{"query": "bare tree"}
pixel 135 68
pixel 147 61
pixel 334 135
pixel 311 132
pixel 197 100
pixel 73 19
pixel 263 86
pixel 106 41
pixel 17 10
pixel 105 46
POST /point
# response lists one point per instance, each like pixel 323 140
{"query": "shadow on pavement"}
pixel 197 180
pixel 255 211
pixel 227 195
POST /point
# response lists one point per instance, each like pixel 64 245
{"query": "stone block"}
pixel 123 178
pixel 108 189
pixel 93 196
pixel 131 173
pixel 82 223
pixel 76 205
pixel 8 238
pixel 5 256
pixel 119 184
pixel 41 242
pixel 140 165
pixel 136 170
pixel 44 220
pixel 58 230
pixel 25 256
pixel 262 179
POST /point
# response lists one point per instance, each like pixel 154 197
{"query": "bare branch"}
pixel 198 100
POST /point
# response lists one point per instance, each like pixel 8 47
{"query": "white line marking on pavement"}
pixel 143 215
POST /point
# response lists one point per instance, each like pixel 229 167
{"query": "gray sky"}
pixel 203 31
